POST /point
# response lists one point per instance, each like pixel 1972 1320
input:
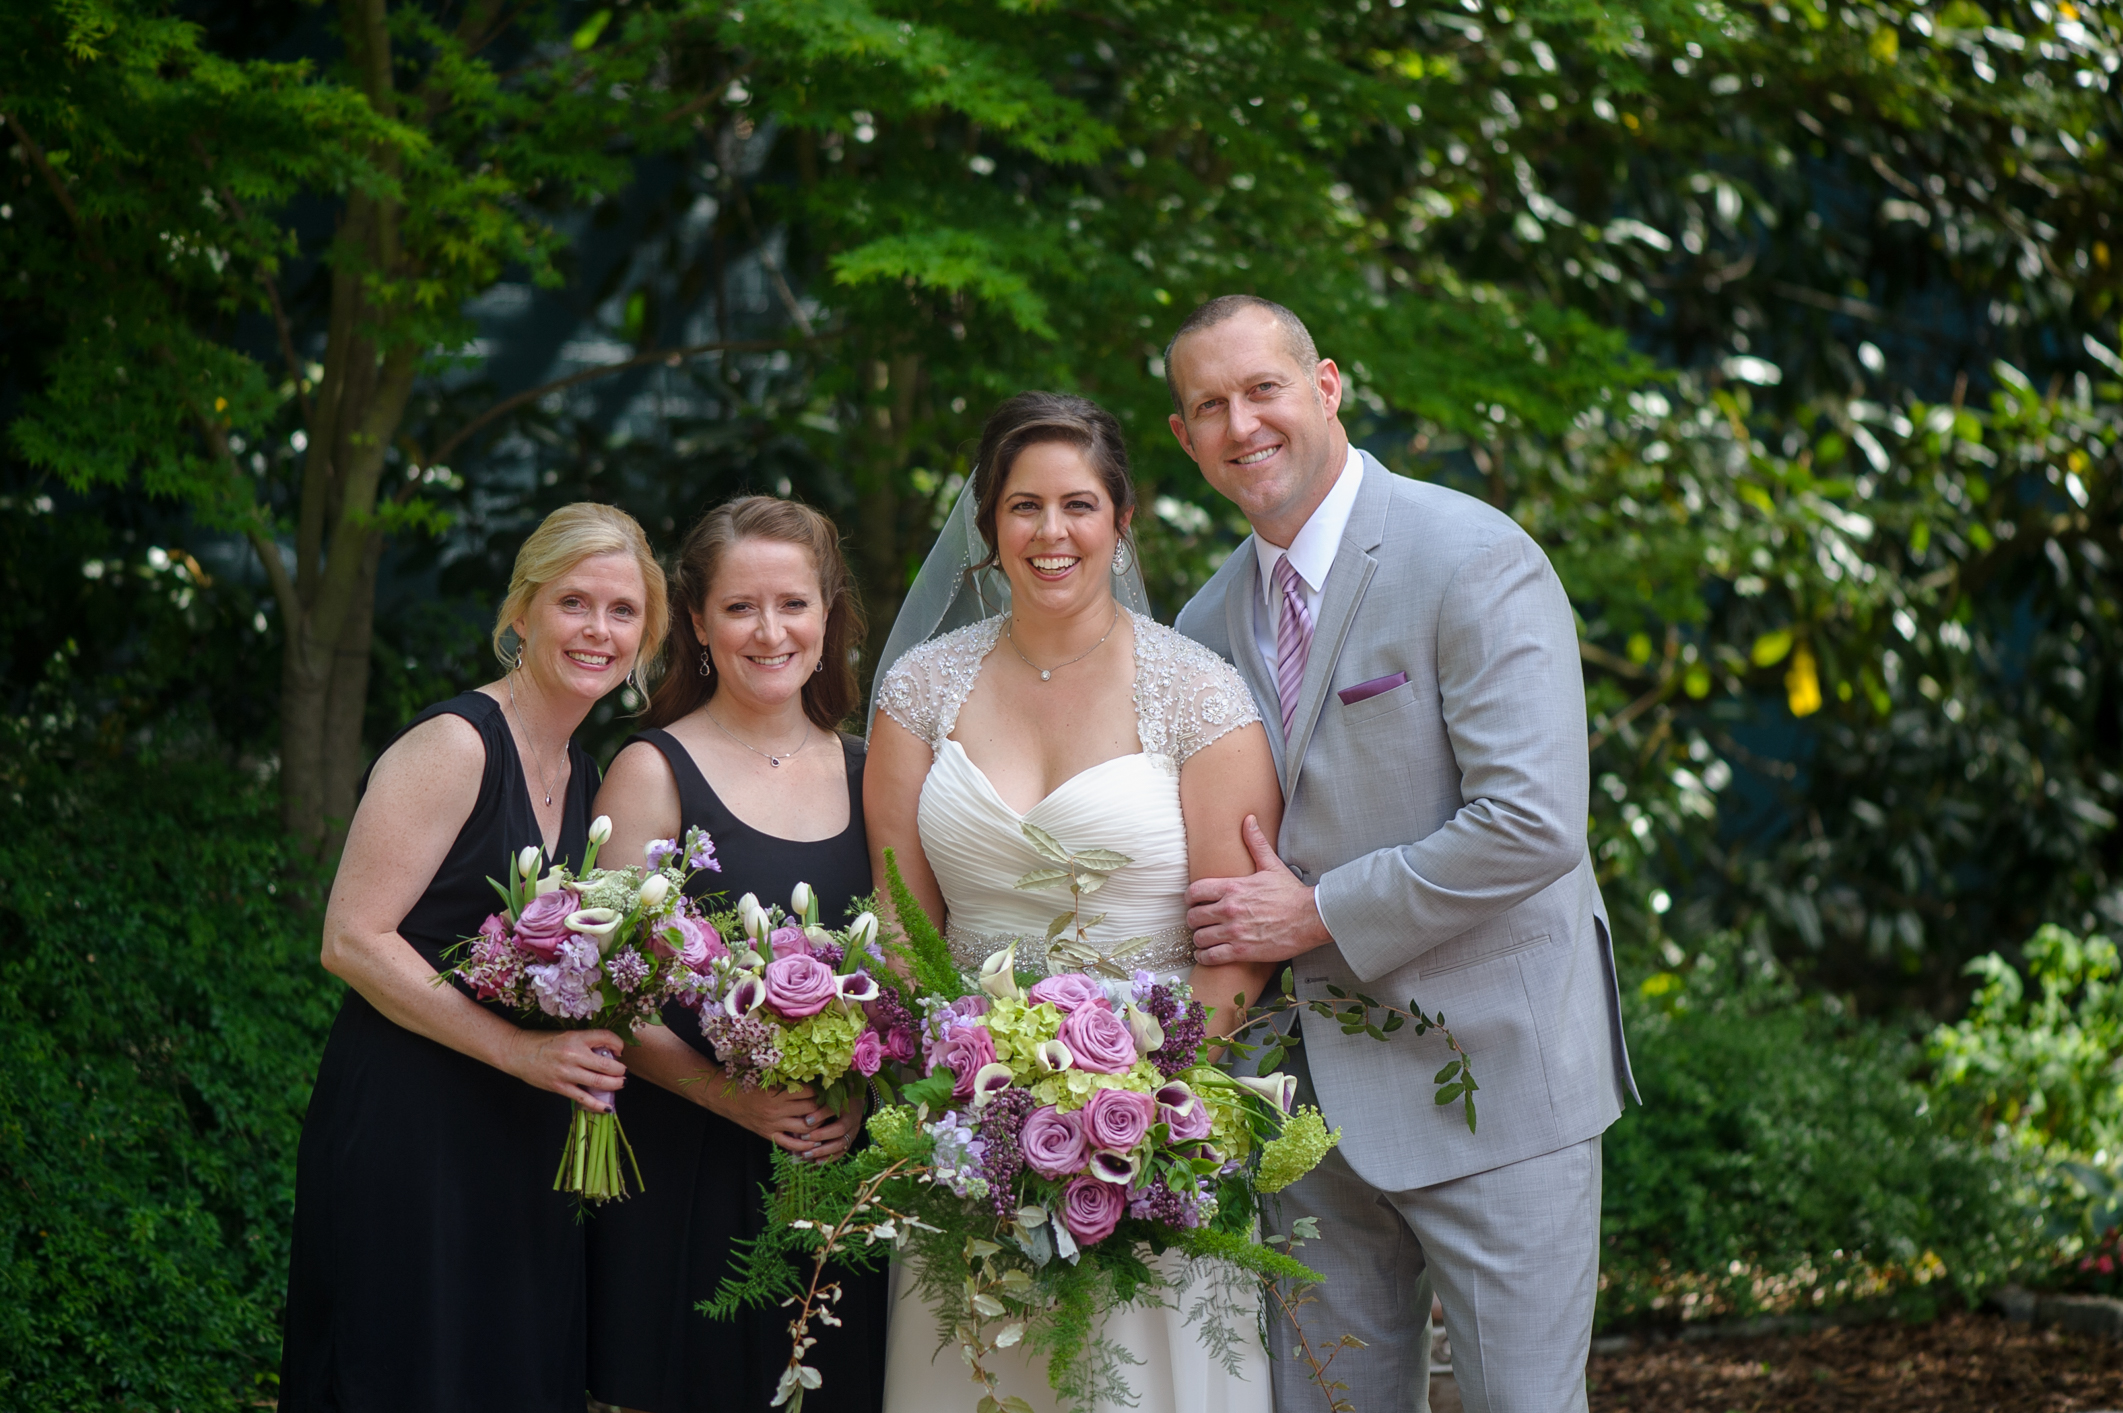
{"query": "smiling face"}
pixel 1262 428
pixel 764 621
pixel 1055 531
pixel 583 630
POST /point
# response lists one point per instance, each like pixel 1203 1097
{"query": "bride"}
pixel 1078 713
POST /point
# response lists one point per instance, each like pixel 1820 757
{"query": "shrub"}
pixel 1787 1160
pixel 161 1014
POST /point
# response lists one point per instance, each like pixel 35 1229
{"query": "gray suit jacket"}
pixel 1443 823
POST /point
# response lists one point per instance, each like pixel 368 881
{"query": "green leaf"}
pixel 1450 1092
pixel 586 36
pixel 1470 1113
pixel 1451 1068
pixel 1046 843
pixel 1059 924
pixel 1041 878
pixel 1104 860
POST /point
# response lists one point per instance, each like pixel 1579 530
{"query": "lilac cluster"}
pixel 628 970
pixel 567 985
pixel 1000 1121
pixel 829 952
pixel 1184 1031
pixel 960 1155
pixel 894 1024
pixel 1156 1201
pixel 745 1045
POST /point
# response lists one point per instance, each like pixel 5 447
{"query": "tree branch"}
pixel 36 157
pixel 671 356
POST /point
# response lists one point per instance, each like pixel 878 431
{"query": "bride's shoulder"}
pixel 924 689
pixel 1187 696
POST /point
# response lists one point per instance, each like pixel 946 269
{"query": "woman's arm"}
pixel 640 797
pixel 420 794
pixel 891 799
pixel 1218 787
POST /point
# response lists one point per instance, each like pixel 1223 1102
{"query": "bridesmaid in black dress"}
pixel 434 1269
pixel 757 680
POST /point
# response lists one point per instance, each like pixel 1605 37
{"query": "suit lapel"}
pixel 1240 598
pixel 1346 582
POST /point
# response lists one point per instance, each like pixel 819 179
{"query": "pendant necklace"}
pixel 1046 674
pixel 774 758
pixel 536 755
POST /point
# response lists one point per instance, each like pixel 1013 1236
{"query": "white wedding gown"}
pixel 1185 698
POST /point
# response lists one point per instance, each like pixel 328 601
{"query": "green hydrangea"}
pixel 1017 1030
pixel 817 1049
pixel 1072 1089
pixel 895 1131
pixel 1296 1151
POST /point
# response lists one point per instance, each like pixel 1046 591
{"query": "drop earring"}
pixel 1120 558
pixel 707 664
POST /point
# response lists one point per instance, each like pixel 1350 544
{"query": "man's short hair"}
pixel 1297 339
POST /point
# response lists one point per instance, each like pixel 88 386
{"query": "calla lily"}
pixel 527 862
pixel 1278 1089
pixel 749 961
pixel 1143 1026
pixel 601 830
pixel 594 922
pixel 553 882
pixel 654 889
pixel 863 931
pixel 998 975
pixel 857 987
pixel 1177 1097
pixel 990 1080
pixel 801 897
pixel 1052 1056
pixel 1108 1166
pixel 818 937
pixel 745 997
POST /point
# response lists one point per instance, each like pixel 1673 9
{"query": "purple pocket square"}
pixel 1364 691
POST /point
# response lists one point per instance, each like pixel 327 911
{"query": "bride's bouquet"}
pixel 594 949
pixel 1064 1132
pixel 801 1004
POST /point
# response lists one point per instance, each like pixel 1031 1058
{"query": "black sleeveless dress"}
pixel 433 1266
pixel 655 1256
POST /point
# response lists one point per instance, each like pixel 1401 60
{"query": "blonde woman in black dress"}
pixel 744 744
pixel 434 1269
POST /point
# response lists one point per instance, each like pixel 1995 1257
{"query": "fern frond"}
pixel 919 942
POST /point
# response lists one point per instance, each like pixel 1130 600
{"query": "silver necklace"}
pixel 1046 674
pixel 774 758
pixel 536 755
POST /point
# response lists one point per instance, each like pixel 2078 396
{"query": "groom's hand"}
pixel 1267 916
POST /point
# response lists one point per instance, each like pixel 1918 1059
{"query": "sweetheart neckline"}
pixel 1021 815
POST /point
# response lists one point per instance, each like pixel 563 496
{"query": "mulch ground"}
pixel 1957 1364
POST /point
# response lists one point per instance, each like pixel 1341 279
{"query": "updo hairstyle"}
pixel 1031 418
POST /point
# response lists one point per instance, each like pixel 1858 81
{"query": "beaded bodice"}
pixel 1185 698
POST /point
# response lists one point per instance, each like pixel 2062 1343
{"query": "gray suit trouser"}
pixel 1512 1253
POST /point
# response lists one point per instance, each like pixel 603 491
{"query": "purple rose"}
pixel 1091 1209
pixel 963 1009
pixel 1053 1142
pixel 495 928
pixel 899 1044
pixel 799 986
pixel 965 1050
pixel 1117 1119
pixel 543 925
pixel 1068 992
pixel 869 1053
pixel 788 941
pixel 698 943
pixel 1098 1039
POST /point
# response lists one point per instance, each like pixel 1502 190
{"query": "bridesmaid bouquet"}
pixel 800 1004
pixel 594 949
pixel 1063 1132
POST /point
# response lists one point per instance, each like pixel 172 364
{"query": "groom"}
pixel 1416 663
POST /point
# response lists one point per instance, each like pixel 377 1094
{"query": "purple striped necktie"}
pixel 1293 641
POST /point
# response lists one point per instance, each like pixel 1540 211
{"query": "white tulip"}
pixel 654 889
pixel 801 897
pixel 601 830
pixel 998 975
pixel 752 917
pixel 527 862
pixel 863 931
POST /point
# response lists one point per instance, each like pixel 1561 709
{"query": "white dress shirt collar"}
pixel 1313 548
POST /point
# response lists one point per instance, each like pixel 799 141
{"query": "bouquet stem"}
pixel 589 1162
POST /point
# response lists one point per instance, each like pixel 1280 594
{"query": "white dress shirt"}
pixel 1311 554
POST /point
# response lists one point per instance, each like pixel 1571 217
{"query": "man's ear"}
pixel 1178 425
pixel 1328 380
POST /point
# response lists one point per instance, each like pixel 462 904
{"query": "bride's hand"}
pixel 788 1118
